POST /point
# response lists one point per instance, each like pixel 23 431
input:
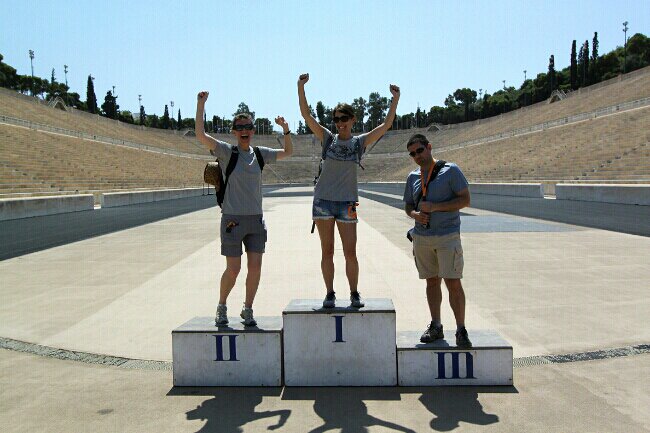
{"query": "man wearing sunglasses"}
pixel 241 220
pixel 434 194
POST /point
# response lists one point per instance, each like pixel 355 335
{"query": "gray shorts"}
pixel 235 229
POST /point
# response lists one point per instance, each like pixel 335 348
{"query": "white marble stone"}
pixel 340 346
pixel 487 362
pixel 231 355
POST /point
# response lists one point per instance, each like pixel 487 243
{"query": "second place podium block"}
pixel 340 346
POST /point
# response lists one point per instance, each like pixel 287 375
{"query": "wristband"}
pixel 288 132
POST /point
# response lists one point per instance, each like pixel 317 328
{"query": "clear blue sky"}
pixel 253 51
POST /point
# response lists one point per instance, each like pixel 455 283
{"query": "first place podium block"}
pixel 229 355
pixel 487 362
pixel 340 346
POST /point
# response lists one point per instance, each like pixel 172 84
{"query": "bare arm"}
pixel 461 200
pixel 199 129
pixel 380 130
pixel 316 128
pixel 421 217
pixel 288 144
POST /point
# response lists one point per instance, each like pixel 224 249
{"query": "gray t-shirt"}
pixel 449 182
pixel 244 190
pixel 338 180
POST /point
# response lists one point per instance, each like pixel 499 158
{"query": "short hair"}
pixel 344 108
pixel 241 116
pixel 417 138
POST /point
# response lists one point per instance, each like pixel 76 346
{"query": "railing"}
pixel 107 140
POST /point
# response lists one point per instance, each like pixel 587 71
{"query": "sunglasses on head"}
pixel 344 118
pixel 417 151
pixel 247 126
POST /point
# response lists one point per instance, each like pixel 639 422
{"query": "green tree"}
pixel 301 128
pixel 377 106
pixel 143 115
pixel 551 76
pixel 320 113
pixel 8 76
pixel 263 126
pixel 243 108
pixel 359 107
pixel 91 99
pixel 180 120
pixel 594 73
pixel 165 121
pixel 110 107
pixel 574 67
pixel 466 97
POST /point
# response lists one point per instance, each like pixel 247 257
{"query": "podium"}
pixel 340 346
pixel 229 355
pixel 487 362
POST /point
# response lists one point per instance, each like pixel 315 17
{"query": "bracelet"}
pixel 288 132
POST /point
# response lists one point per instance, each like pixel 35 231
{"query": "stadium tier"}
pixel 607 147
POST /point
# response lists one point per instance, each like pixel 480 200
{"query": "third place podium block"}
pixel 487 362
pixel 340 346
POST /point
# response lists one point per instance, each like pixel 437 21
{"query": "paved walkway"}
pixel 547 287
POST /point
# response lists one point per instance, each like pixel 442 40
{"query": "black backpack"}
pixel 234 156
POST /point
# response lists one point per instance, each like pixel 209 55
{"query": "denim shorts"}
pixel 343 211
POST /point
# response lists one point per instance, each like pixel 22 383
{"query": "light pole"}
pixel 31 61
pixel 504 84
pixel 65 71
pixel 171 122
pixel 524 75
pixel 625 29
pixel 114 104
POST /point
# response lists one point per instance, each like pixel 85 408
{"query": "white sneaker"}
pixel 222 315
pixel 247 315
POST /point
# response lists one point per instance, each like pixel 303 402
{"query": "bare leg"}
pixel 456 299
pixel 348 233
pixel 254 264
pixel 434 297
pixel 326 233
pixel 233 265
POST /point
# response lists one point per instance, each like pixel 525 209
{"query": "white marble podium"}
pixel 230 355
pixel 340 346
pixel 487 362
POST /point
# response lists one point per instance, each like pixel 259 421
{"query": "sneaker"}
pixel 355 300
pixel 222 315
pixel 462 339
pixel 432 334
pixel 247 315
pixel 330 300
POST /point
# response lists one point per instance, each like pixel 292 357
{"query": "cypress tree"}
pixel 551 78
pixel 585 66
pixel 91 99
pixel 574 67
pixel 164 124
pixel 593 70
pixel 142 115
pixel 180 122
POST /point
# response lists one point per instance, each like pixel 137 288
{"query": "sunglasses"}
pixel 248 127
pixel 341 119
pixel 417 151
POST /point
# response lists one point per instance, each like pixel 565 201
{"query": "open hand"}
pixel 394 90
pixel 202 96
pixel 302 79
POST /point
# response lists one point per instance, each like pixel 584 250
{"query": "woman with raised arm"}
pixel 336 192
pixel 241 218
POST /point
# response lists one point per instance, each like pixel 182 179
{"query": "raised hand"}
pixel 394 90
pixel 202 96
pixel 302 79
pixel 282 123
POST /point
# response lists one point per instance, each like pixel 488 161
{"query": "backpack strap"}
pixel 323 155
pixel 436 169
pixel 260 158
pixel 360 150
pixel 234 156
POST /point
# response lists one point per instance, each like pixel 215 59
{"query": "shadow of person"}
pixel 233 408
pixel 451 405
pixel 346 410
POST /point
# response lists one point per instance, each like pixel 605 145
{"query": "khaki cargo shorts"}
pixel 438 256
